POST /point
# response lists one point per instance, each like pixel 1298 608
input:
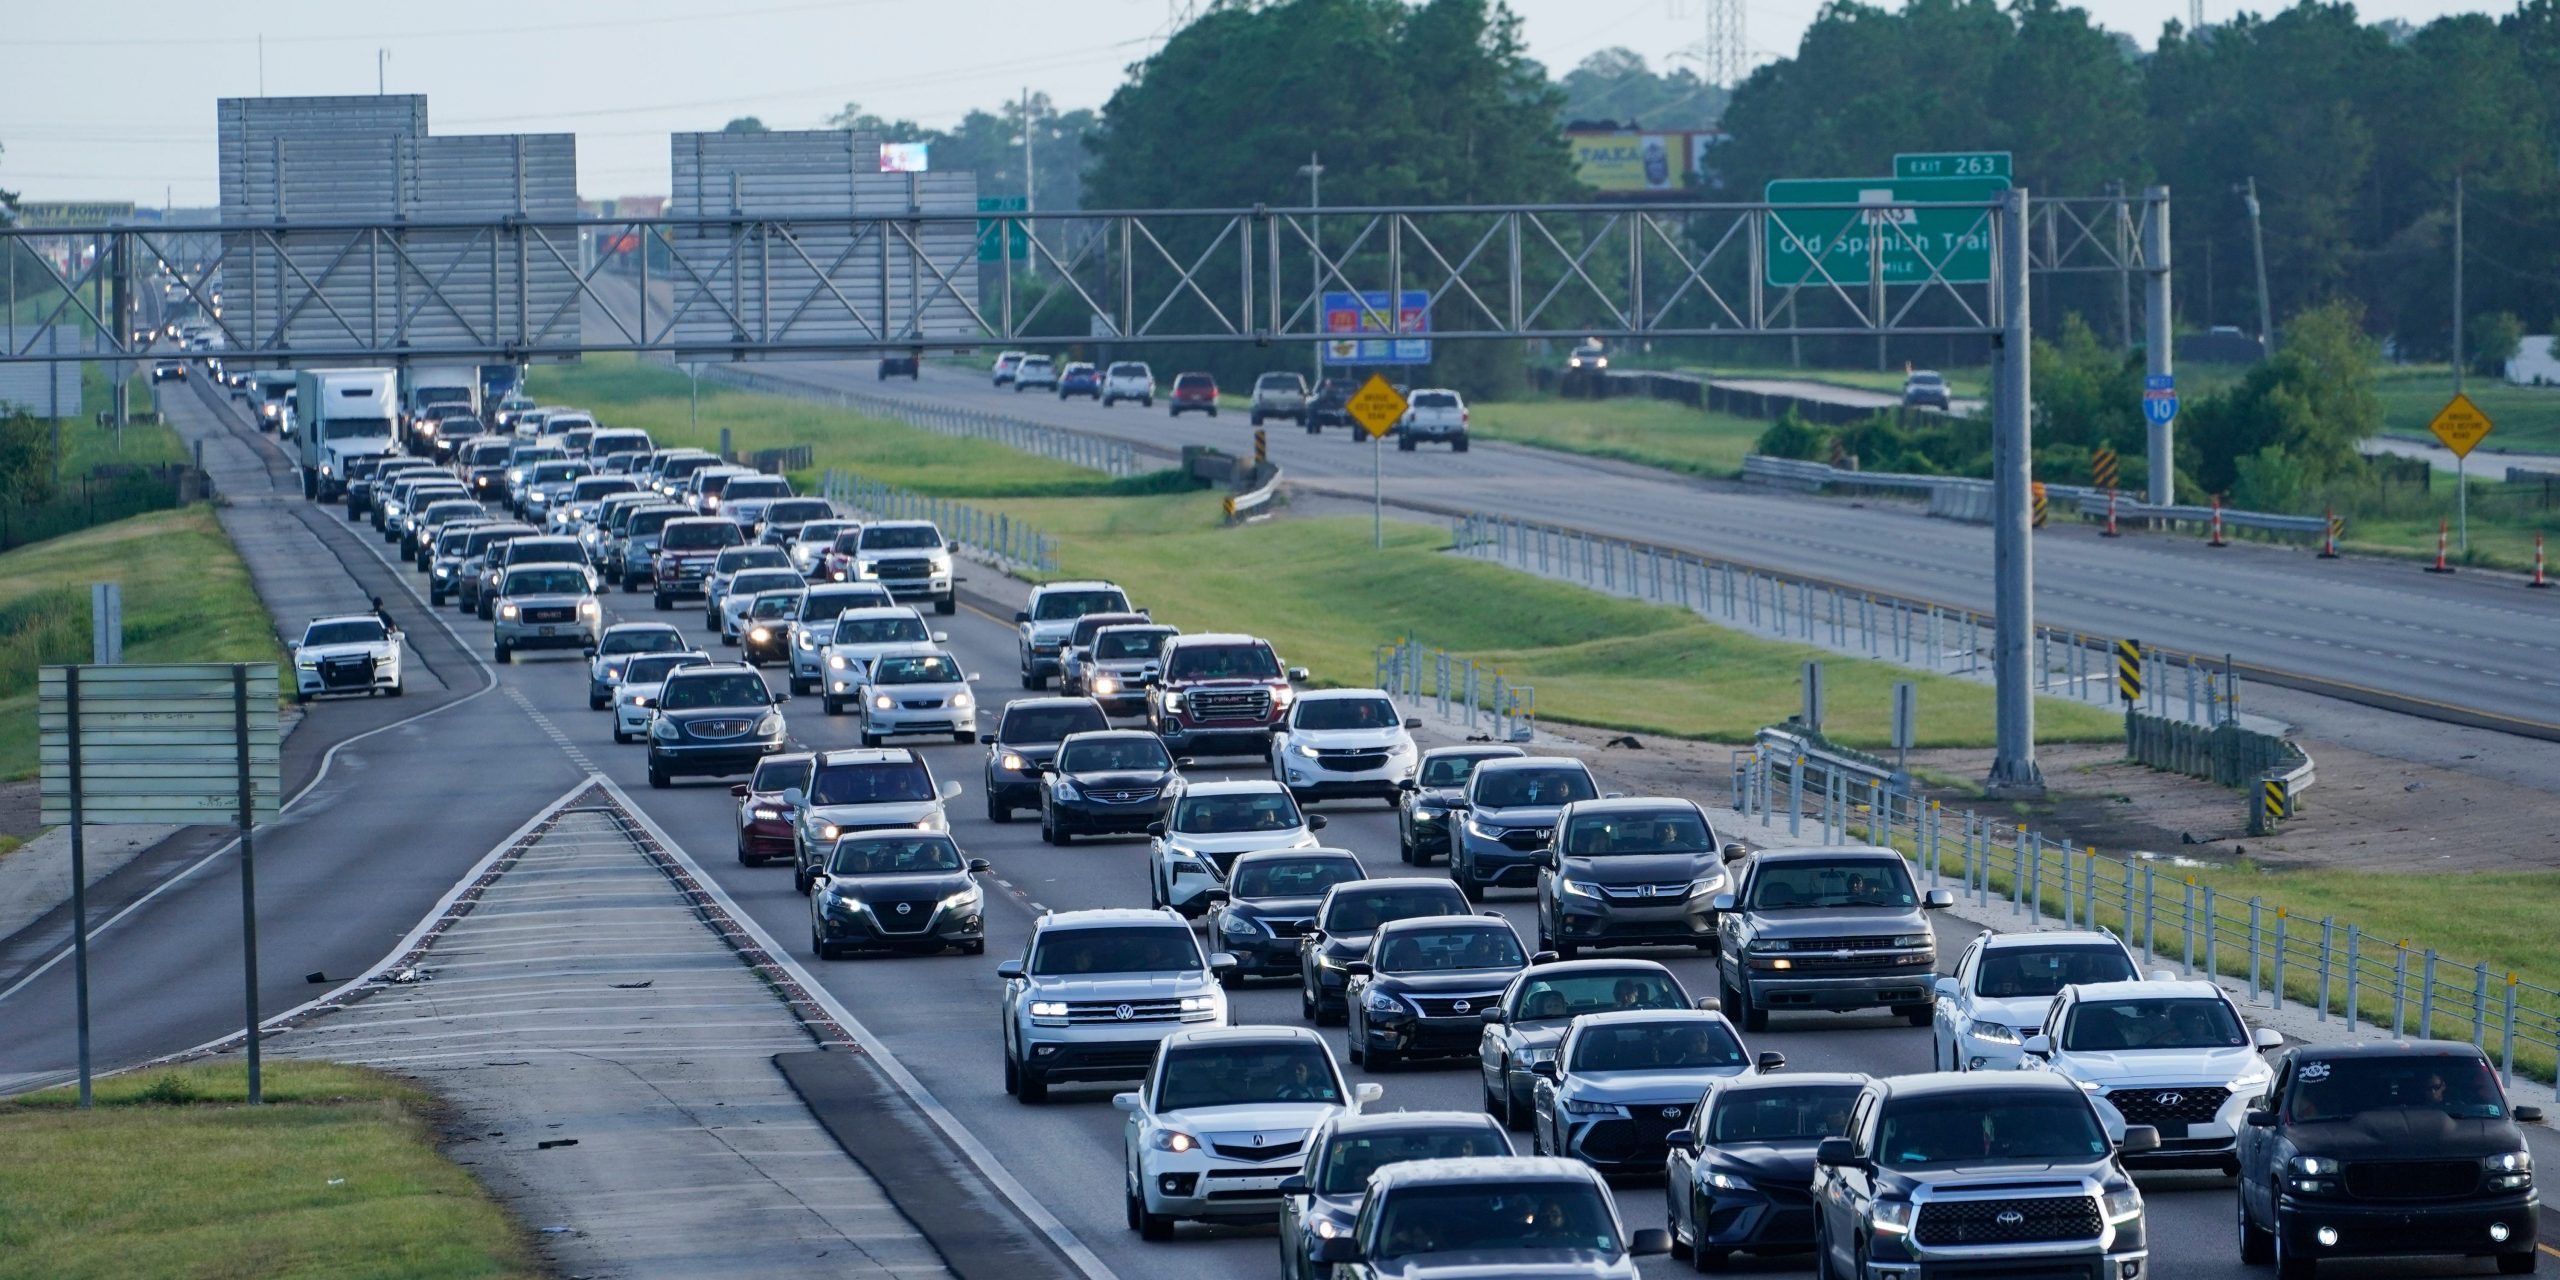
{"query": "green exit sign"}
pixel 1002 241
pixel 1832 246
pixel 1952 164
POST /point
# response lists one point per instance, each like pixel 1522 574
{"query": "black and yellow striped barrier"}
pixel 2042 508
pixel 2129 671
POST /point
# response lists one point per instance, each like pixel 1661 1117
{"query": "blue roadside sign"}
pixel 2160 397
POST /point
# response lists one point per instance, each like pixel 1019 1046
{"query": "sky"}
pixel 114 99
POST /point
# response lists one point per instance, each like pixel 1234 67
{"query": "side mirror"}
pixel 589 651
pixel 2266 1038
pixel 1362 1094
pixel 942 637
pixel 1217 896
pixel 950 789
pixel 1009 969
pixel 1770 1061
pixel 1295 1184
pixel 1708 1004
pixel 1835 1153
pixel 1408 785
pixel 1413 722
pixel 1545 1070
pixel 1333 1250
pixel 1545 859
pixel 1358 968
pixel 1736 852
pixel 979 866
pixel 1458 806
pixel 1544 957
pixel 1020 617
pixel 2138 1138
pixel 2527 1115
pixel 1945 988
pixel 1492 1017
pixel 739 790
pixel 1155 829
pixel 2039 1046
pixel 1938 900
pixel 1297 673
pixel 780 698
pixel 1315 822
pixel 1495 912
pixel 1650 1242
pixel 1221 963
pixel 794 797
pixel 2261 1119
pixel 1126 1102
pixel 1181 762
pixel 1681 1140
pixel 1723 902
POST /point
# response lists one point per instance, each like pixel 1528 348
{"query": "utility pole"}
pixel 2461 470
pixel 1313 172
pixel 262 64
pixel 2258 247
pixel 2014 773
pixel 1031 263
pixel 380 57
pixel 2156 339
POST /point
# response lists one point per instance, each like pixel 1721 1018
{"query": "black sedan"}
pixel 1434 797
pixel 1525 1029
pixel 1740 1177
pixel 900 890
pixel 1025 742
pixel 1270 899
pixel 1425 985
pixel 1115 782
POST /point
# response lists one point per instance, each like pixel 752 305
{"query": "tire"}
pixel 1404 444
pixel 965 737
pixel 833 707
pixel 1918 1015
pixel 1035 682
pixel 800 880
pixel 659 779
pixel 1306 1000
pixel 658 601
pixel 595 703
pixel 1151 1226
pixel 1033 1087
pixel 1739 999
pixel 998 812
pixel 1381 1059
pixel 2291 1267
pixel 947 606
pixel 1257 419
pixel 1459 446
pixel 301 699
pixel 818 945
pixel 2257 1246
pixel 1467 882
pixel 870 739
pixel 1148 403
pixel 400 686
pixel 1062 836
pixel 436 599
pixel 1012 1075
pixel 2516 1264
pixel 1213 413
pixel 801 687
pixel 1314 430
pixel 621 738
pixel 504 655
pixel 1404 849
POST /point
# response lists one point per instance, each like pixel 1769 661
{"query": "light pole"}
pixel 2258 247
pixel 1313 172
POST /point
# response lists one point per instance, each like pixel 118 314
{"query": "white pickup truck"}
pixel 1434 414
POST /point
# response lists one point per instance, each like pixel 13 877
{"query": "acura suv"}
pixel 1223 1119
pixel 1095 992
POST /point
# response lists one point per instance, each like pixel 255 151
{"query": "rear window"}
pixel 1434 400
pixel 736 558
pixel 797 510
pixel 653 669
pixel 1127 370
pixel 896 628
pixel 1050 724
pixel 821 606
pixel 545 553
pixel 1195 382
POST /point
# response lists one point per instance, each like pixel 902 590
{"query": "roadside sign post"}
pixel 106 623
pixel 1812 682
pixel 1376 406
pixel 1906 724
pixel 2461 426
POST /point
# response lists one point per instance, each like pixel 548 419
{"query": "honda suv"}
pixel 1827 929
pixel 1945 1175
pixel 1220 691
pixel 1096 992
pixel 1631 873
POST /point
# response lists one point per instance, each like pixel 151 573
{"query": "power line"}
pixel 616 22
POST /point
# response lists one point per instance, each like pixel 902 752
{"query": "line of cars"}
pixel 1433 415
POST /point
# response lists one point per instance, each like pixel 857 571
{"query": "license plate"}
pixel 551 631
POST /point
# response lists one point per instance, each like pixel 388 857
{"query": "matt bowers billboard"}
pixel 1640 163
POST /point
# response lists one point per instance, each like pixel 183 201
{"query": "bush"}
pixel 2495 338
pixel 1790 437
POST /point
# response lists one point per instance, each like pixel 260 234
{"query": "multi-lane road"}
pixel 2468 646
pixel 399 815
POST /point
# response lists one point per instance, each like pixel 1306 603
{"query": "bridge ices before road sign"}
pixel 1823 247
pixel 1376 406
pixel 2461 425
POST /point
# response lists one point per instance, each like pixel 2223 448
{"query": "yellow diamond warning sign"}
pixel 2461 426
pixel 1376 406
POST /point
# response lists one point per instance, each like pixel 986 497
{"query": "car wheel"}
pixel 803 688
pixel 1380 1059
pixel 301 699
pixel 947 605
pixel 870 739
pixel 436 599
pixel 2516 1264
pixel 818 945
pixel 1404 849
pixel 2291 1266
pixel 1404 444
pixel 1034 1087
pixel 799 876
pixel 1516 1116
pixel 965 737
pixel 659 601
pixel 1460 446
pixel 1257 419
pixel 1012 1075
pixel 1737 1002
pixel 1213 413
pixel 1306 998
pixel 620 738
pixel 659 779
pixel 1151 1226
pixel 998 811
pixel 2257 1247
pixel 1918 1015
pixel 1467 884
pixel 595 703
pixel 503 654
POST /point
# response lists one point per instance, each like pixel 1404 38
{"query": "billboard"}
pixel 75 213
pixel 903 157
pixel 1644 162
pixel 1370 313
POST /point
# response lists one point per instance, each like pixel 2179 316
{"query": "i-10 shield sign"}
pixel 2160 397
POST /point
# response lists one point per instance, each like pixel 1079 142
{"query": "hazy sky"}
pixel 114 99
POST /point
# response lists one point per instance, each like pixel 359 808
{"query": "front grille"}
pixel 1241 1146
pixel 1527 839
pixel 1455 1006
pixel 920 704
pixel 562 614
pixel 1125 795
pixel 719 728
pixel 2412 1179
pixel 1638 1139
pixel 902 569
pixel 347 673
pixel 2027 1220
pixel 1352 761
pixel 1651 894
pixel 1234 704
pixel 1290 928
pixel 2171 1110
pixel 1840 944
pixel 903 917
pixel 1138 1011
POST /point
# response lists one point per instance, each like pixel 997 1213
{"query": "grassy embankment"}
pixel 187 598
pixel 337 1175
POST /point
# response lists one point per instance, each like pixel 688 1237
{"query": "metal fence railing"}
pixel 1970 497
pixel 2336 969
pixel 1912 633
pixel 1075 448
pixel 1458 689
pixel 992 536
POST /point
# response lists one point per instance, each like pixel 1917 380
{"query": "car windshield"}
pixel 1054 723
pixel 927 668
pixel 2114 1026
pixel 547 582
pixel 904 628
pixel 1546 999
pixel 750 583
pixel 775 773
pixel 2014 973
pixel 896 538
pixel 1998 1126
pixel 757 487
pixel 1451 770
pixel 590 488
pixel 1496 1217
pixel 822 530
pixel 821 606
pixel 774 604
pixel 1846 882
pixel 737 558
pixel 797 510
pixel 725 689
pixel 653 670
pixel 1230 1075
pixel 1673 1044
pixel 1131 949
pixel 1270 877
pixel 1541 788
pixel 1223 662
pixel 1927 380
pixel 1112 755
pixel 901 856
pixel 1451 950
pixel 1214 815
pixel 700 535
pixel 1059 605
pixel 887 782
pixel 641 640
pixel 1129 644
pixel 1127 370
pixel 644 523
pixel 1348 1161
pixel 1661 831
pixel 1347 713
pixel 1356 910
pixel 1789 1113
pixel 2459 1085
pixel 553 471
pixel 351 631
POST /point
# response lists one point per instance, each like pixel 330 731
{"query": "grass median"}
pixel 1657 433
pixel 171 1175
pixel 187 598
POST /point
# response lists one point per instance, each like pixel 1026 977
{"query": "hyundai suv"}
pixel 1096 992
pixel 1223 1119
pixel 1220 692
pixel 2173 1055
pixel 1344 743
pixel 1827 929
pixel 1506 817
pixel 1631 873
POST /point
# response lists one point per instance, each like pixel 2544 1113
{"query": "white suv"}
pixel 2002 986
pixel 918 690
pixel 861 635
pixel 1096 991
pixel 1035 371
pixel 1208 825
pixel 1223 1119
pixel 1344 742
pixel 1434 415
pixel 2173 1055
pixel 1129 380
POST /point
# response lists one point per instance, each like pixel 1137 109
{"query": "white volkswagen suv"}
pixel 1340 743
pixel 1222 1119
pixel 2175 1055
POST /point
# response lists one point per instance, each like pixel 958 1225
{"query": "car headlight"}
pixel 964 900
pixel 1173 1140
pixel 1280 696
pixel 843 905
pixel 1199 1004
pixel 768 815
pixel 1578 889
pixel 1105 686
pixel 770 725
pixel 589 609
pixel 1481 831
pixel 1421 814
pixel 665 730
pixel 1048 1008
pixel 1891 1217
pixel 2512 1171
pixel 1723 1181
pixel 934 821
pixel 1532 1057
pixel 1172 703
pixel 643 700
pixel 613 673
pixel 307 664
pixel 1708 885
pixel 1994 1033
pixel 444 571
pixel 1303 749
pixel 1911 940
pixel 835 662
pixel 506 611
pixel 1381 1002
pixel 828 831
pixel 1239 927
pixel 1065 790
pixel 1010 762
pixel 760 634
pixel 1584 1107
pixel 883 701
pixel 801 638
pixel 2123 1205
pixel 961 701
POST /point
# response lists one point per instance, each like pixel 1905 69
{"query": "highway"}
pixel 399 816
pixel 2470 642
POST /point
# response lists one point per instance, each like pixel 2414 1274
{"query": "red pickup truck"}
pixel 686 548
pixel 1223 691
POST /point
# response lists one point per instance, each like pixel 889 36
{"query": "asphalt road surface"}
pixel 2463 643
pixel 401 815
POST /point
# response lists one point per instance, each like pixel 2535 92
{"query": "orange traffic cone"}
pixel 2329 536
pixel 2216 539
pixel 2538 579
pixel 2440 566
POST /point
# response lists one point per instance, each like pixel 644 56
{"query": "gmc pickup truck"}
pixel 1220 691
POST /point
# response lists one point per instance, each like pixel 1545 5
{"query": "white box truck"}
pixel 345 413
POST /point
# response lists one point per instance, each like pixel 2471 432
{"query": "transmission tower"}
pixel 1726 55
pixel 2195 15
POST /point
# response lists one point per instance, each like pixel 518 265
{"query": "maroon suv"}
pixel 764 821
pixel 686 548
pixel 1227 692
pixel 1194 391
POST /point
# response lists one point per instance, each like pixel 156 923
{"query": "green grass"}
pixel 337 1176
pixel 1659 433
pixel 86 445
pixel 187 598
pixel 2523 419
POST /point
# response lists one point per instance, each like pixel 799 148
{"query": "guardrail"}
pixel 991 536
pixel 1968 499
pixel 1506 712
pixel 1914 633
pixel 2336 969
pixel 1075 448
pixel 1243 504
